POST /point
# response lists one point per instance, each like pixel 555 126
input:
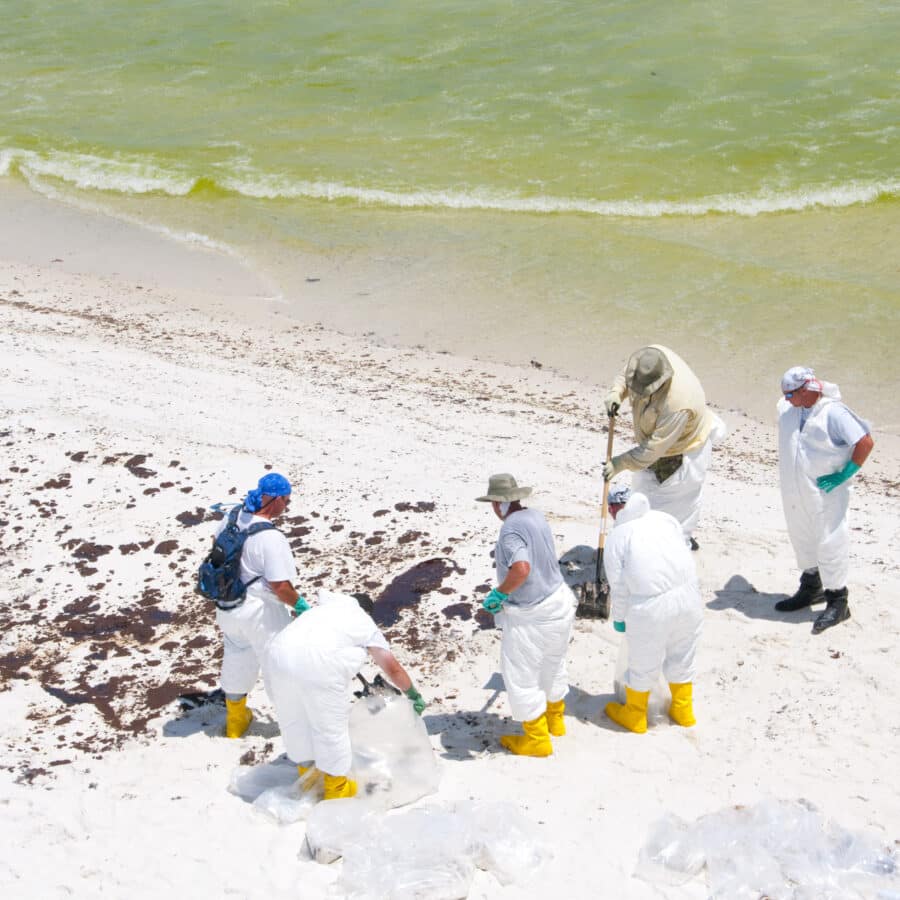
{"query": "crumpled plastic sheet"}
pixel 779 849
pixel 428 852
pixel 660 695
pixel 393 764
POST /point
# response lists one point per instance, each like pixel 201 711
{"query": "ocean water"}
pixel 562 181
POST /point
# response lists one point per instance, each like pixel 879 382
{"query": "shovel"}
pixel 602 583
pixel 595 595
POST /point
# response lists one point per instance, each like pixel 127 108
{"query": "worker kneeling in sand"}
pixel 655 596
pixel 536 610
pixel 308 669
pixel 674 430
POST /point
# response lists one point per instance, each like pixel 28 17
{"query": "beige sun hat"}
pixel 503 488
pixel 647 371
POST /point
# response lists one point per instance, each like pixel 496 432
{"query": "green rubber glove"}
pixel 619 626
pixel 301 606
pixel 829 482
pixel 417 701
pixel 494 601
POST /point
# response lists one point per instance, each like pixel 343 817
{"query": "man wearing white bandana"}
pixel 821 445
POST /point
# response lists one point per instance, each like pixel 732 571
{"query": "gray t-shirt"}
pixel 845 428
pixel 525 537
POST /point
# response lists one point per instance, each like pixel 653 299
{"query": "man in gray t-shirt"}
pixel 536 610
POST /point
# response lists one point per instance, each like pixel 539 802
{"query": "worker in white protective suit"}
pixel 535 608
pixel 821 445
pixel 267 568
pixel 308 669
pixel 655 598
pixel 674 429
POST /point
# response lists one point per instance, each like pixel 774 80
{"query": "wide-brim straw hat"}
pixel 647 371
pixel 503 488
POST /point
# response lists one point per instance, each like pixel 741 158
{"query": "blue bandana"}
pixel 272 485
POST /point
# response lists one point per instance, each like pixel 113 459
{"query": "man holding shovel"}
pixel 535 608
pixel 674 430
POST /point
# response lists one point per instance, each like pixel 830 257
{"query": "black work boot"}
pixel 810 592
pixel 836 611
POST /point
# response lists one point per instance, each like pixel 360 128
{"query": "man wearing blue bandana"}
pixel 268 570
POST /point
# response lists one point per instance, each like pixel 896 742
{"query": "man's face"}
pixel 279 506
pixel 615 509
pixel 802 396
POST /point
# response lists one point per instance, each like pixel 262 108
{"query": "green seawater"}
pixel 555 180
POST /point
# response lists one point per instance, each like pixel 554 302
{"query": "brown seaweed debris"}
pixel 408 588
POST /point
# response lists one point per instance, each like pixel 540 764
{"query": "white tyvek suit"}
pixel 674 420
pixel 816 521
pixel 308 669
pixel 655 592
pixel 533 652
pixel 246 633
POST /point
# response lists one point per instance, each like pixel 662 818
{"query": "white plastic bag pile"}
pixel 423 853
pixel 781 849
pixel 393 764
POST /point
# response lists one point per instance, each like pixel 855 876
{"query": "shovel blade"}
pixel 593 600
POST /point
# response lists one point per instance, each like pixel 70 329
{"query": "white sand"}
pixel 130 400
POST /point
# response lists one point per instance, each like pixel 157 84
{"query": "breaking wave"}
pixel 130 176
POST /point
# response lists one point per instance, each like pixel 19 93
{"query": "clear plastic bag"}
pixel 660 695
pixel 504 842
pixel 780 849
pixel 421 853
pixel 393 761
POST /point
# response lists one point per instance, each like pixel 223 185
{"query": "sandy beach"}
pixel 146 380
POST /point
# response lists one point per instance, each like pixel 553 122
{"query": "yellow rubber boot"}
pixel 555 724
pixel 237 717
pixel 633 715
pixel 681 712
pixel 337 786
pixel 535 741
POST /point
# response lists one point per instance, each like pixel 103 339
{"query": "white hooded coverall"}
pixel 674 420
pixel 308 669
pixel 247 629
pixel 654 591
pixel 816 521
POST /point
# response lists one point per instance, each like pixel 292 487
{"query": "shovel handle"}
pixel 604 508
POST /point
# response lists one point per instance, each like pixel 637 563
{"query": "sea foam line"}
pixel 140 177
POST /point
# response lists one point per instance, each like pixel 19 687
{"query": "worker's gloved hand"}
pixel 829 482
pixel 612 468
pixel 417 700
pixel 494 601
pixel 301 606
pixel 619 626
pixel 612 401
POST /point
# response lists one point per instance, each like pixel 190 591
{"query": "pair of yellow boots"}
pixel 632 714
pixel 237 720
pixel 536 740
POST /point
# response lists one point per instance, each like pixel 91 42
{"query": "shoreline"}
pixel 380 298
pixel 128 411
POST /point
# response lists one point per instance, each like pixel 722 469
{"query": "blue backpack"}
pixel 219 576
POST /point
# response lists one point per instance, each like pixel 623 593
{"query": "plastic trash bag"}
pixel 660 695
pixel 393 761
pixel 780 849
pixel 421 853
pixel 334 826
pixel 249 783
pixel 503 841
